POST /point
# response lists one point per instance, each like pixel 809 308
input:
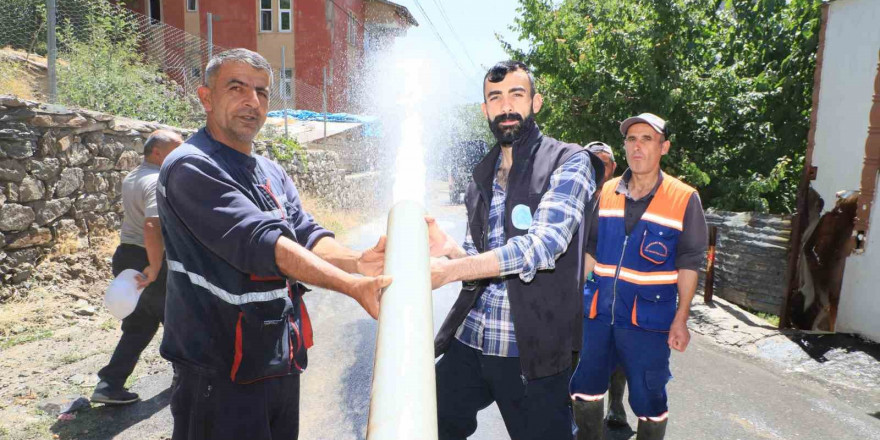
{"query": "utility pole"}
pixel 210 36
pixel 324 99
pixel 211 19
pixel 52 47
pixel 283 89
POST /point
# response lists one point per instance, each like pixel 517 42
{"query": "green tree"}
pixel 734 78
pixel 464 123
pixel 468 123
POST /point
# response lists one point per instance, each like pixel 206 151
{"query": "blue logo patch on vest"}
pixel 521 216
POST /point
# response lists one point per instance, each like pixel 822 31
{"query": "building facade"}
pixel 322 40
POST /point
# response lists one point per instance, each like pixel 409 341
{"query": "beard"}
pixel 244 132
pixel 509 135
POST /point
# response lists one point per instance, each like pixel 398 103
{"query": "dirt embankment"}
pixel 23 74
pixel 55 335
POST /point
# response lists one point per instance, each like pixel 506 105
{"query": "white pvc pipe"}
pixel 403 401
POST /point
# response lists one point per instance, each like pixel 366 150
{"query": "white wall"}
pixel 852 44
pixel 859 308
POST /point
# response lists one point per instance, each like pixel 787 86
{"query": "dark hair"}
pixel 500 70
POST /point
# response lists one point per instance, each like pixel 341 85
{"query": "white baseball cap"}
pixel 656 122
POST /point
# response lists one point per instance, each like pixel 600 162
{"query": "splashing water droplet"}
pixel 409 180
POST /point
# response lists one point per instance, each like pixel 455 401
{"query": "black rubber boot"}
pixel 589 417
pixel 649 430
pixel 616 417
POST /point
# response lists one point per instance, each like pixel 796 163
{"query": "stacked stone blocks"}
pixel 61 173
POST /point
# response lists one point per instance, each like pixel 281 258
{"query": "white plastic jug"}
pixel 122 295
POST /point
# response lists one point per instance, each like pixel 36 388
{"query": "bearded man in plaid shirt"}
pixel 510 335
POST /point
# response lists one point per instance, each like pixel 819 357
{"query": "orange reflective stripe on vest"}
pixel 636 277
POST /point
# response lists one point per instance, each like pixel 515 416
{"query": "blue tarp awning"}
pixel 371 126
pixel 308 115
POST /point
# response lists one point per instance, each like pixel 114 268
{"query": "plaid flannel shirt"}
pixel 489 325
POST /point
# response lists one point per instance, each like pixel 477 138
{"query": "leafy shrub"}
pixel 105 72
pixel 284 149
pixel 23 25
pixel 281 148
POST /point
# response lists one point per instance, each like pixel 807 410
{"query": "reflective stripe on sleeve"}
pixel 587 397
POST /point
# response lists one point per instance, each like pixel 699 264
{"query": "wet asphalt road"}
pixel 336 405
pixel 716 394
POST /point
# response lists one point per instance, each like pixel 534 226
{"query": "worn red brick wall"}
pixel 237 24
pixel 316 50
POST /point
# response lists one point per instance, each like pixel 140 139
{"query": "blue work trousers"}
pixel 645 359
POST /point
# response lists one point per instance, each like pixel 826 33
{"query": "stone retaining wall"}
pixel 61 173
pixel 751 256
pixel 324 176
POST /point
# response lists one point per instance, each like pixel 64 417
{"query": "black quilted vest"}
pixel 548 311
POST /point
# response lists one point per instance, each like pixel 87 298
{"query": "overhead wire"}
pixel 440 37
pixel 454 33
